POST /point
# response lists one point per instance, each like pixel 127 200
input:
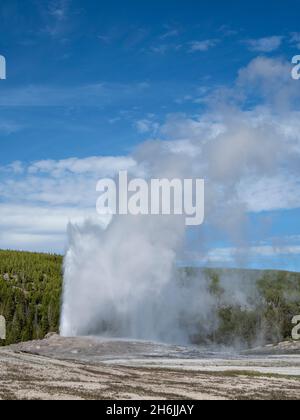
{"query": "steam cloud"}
pixel 121 278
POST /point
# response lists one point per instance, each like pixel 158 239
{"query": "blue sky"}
pixel 95 79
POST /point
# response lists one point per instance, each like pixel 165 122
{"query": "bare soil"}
pixel 90 368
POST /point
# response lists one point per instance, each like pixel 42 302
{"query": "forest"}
pixel 31 288
pixel 30 293
pixel 251 307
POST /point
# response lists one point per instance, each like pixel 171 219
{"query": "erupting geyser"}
pixel 119 280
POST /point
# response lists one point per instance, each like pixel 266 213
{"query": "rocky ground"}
pixel 89 368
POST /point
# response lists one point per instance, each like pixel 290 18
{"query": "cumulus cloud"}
pixel 265 69
pixel 269 81
pixel 237 146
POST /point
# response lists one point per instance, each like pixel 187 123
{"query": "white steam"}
pixel 117 280
pixel 121 280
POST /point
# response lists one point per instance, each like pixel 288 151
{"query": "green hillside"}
pixel 30 300
pixel 30 290
pixel 251 306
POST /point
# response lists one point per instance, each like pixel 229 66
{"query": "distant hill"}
pixel 249 306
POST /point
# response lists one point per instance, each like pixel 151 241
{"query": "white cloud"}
pixel 64 182
pixel 13 168
pixel 97 94
pixel 58 9
pixel 231 255
pixel 101 166
pixel 191 47
pixel 164 48
pixel 147 126
pixel 56 15
pixel 269 80
pixel 38 228
pixel 203 46
pixel 267 194
pixel 228 31
pixel 253 156
pixel 183 127
pixel 171 33
pixel 40 199
pixel 266 69
pixel 265 45
pixel 8 127
pixel 249 158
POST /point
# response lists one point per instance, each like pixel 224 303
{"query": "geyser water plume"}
pixel 119 280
